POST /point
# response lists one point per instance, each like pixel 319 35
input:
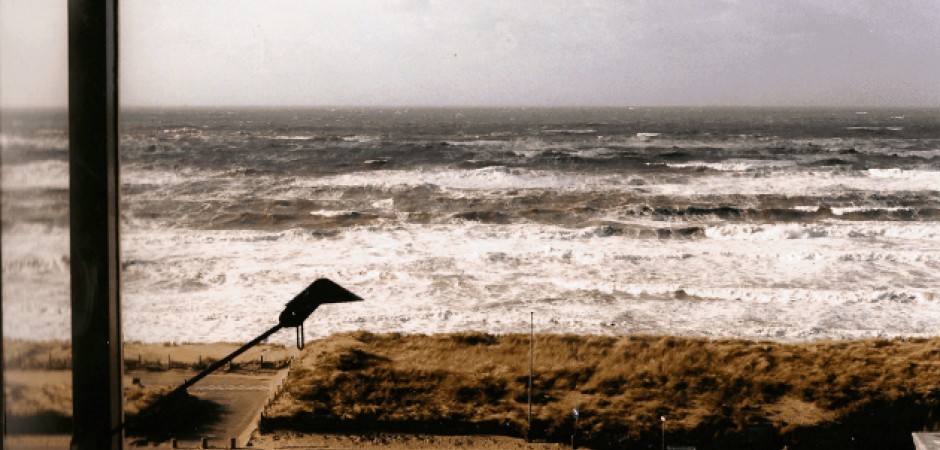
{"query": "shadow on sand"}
pixel 46 422
pixel 176 416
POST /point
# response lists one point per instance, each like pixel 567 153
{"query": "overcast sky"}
pixel 510 52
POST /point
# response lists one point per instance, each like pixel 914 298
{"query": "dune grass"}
pixel 57 355
pixel 714 393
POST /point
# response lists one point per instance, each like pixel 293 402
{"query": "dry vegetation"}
pixel 30 393
pixel 715 393
pixel 57 355
pixel 36 355
pixel 139 356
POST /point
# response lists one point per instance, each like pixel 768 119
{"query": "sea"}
pixel 780 224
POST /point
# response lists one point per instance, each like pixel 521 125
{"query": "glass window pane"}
pixel 35 225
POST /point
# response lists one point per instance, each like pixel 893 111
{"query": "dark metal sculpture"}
pixel 295 312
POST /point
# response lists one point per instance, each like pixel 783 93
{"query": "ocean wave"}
pixel 360 139
pixel 411 275
pixel 37 266
pixel 181 131
pixel 570 131
pixel 798 230
pixel 928 176
pixel 503 177
pixel 487 178
pixel 926 154
pixel 169 178
pixel 307 137
pixel 753 232
pixel 35 251
pixel 734 165
pixel 870 210
pixel 35 142
pixel 478 143
pixel 501 194
pixel 46 174
pixel 811 283
pixel 911 231
pixel 326 213
pixel 596 153
pixel 816 183
pixel 875 129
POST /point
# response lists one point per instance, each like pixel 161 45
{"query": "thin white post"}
pixel 531 363
pixel 663 420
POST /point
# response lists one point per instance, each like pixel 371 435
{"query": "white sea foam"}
pixel 46 174
pixel 829 279
pixel 571 131
pixel 494 177
pixel 495 180
pixel 914 153
pixel 874 128
pixel 35 250
pixel 443 278
pixel 928 176
pixel 647 136
pixel 806 208
pixel 498 177
pixel 923 231
pixel 40 142
pixel 361 139
pixel 797 282
pixel 294 138
pixel 326 213
pixel 478 143
pixel 734 165
pixel 166 178
pixel 36 282
pixel 597 153
pixel 840 210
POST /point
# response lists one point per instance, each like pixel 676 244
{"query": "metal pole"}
pixel 216 365
pixel 663 419
pixel 3 409
pixel 574 436
pixel 94 224
pixel 531 363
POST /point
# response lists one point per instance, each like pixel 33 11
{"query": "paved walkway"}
pixel 242 398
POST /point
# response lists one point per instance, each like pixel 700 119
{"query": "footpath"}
pixel 240 398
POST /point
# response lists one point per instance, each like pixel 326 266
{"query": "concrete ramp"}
pixel 241 396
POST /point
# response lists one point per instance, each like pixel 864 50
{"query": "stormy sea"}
pixel 785 224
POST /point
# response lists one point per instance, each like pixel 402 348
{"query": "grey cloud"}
pixel 587 52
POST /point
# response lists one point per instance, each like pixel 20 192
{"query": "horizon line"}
pixel 521 107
